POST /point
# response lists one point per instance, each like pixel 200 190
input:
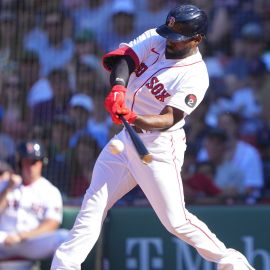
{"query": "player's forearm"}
pixel 168 117
pixel 121 71
pixel 47 226
pixel 152 122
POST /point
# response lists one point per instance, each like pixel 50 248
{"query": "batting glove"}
pixel 115 99
pixel 127 113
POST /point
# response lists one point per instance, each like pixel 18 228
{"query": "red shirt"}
pixel 201 183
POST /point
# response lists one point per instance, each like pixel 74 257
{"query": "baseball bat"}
pixel 142 151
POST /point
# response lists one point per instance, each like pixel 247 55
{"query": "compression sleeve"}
pixel 121 70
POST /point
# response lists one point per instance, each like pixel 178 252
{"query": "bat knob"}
pixel 147 158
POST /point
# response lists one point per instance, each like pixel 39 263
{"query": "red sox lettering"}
pixel 141 69
pixel 157 89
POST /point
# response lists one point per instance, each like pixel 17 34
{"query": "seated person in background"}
pixel 244 156
pixel 235 171
pixel 58 169
pixel 227 176
pixel 198 183
pixel 31 209
pixel 85 155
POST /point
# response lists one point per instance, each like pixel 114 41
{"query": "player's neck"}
pixel 29 180
pixel 180 54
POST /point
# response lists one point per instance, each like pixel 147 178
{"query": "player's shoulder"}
pixel 152 35
pixel 47 186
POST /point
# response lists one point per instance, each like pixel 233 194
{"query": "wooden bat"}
pixel 142 151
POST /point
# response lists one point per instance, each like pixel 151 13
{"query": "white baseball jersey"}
pixel 29 205
pixel 157 82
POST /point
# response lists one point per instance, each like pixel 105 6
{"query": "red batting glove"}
pixel 115 99
pixel 116 119
pixel 128 114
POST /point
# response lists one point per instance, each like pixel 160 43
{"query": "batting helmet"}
pixel 184 22
pixel 31 149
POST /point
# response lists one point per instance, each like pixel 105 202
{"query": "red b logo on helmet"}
pixel 171 21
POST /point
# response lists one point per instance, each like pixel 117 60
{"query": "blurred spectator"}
pixel 8 43
pixel 227 176
pixel 85 154
pixel 73 4
pixel 38 88
pixel 243 155
pixel 263 142
pixel 86 43
pixel 245 13
pixel 28 219
pixel 262 8
pixel 198 183
pixel 216 179
pixel 252 48
pixel 151 13
pixel 89 14
pixel 88 78
pixel 14 108
pixel 54 49
pixel 264 96
pixel 244 95
pixel 220 25
pixel 196 126
pixel 44 112
pixel 82 111
pixel 60 158
pixel 120 25
pixel 247 101
pixel 87 52
pixel 89 81
pixel 28 14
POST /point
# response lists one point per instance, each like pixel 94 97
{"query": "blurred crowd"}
pixel 52 88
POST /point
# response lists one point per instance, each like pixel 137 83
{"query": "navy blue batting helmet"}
pixel 184 22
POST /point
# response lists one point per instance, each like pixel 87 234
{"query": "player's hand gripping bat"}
pixel 142 151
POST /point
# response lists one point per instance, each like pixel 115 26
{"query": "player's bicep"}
pixel 190 89
pixel 188 97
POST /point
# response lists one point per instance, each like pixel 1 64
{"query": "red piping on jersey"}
pixel 153 50
pixel 134 95
pixel 182 195
pixel 125 50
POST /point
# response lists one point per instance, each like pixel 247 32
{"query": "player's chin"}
pixel 170 50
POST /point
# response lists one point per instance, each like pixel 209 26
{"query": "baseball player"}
pixel 30 209
pixel 157 79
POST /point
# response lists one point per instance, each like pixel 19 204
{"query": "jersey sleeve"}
pixel 137 49
pixel 142 44
pixel 191 89
pixel 54 208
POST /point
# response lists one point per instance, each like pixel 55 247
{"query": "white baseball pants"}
pixel 115 175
